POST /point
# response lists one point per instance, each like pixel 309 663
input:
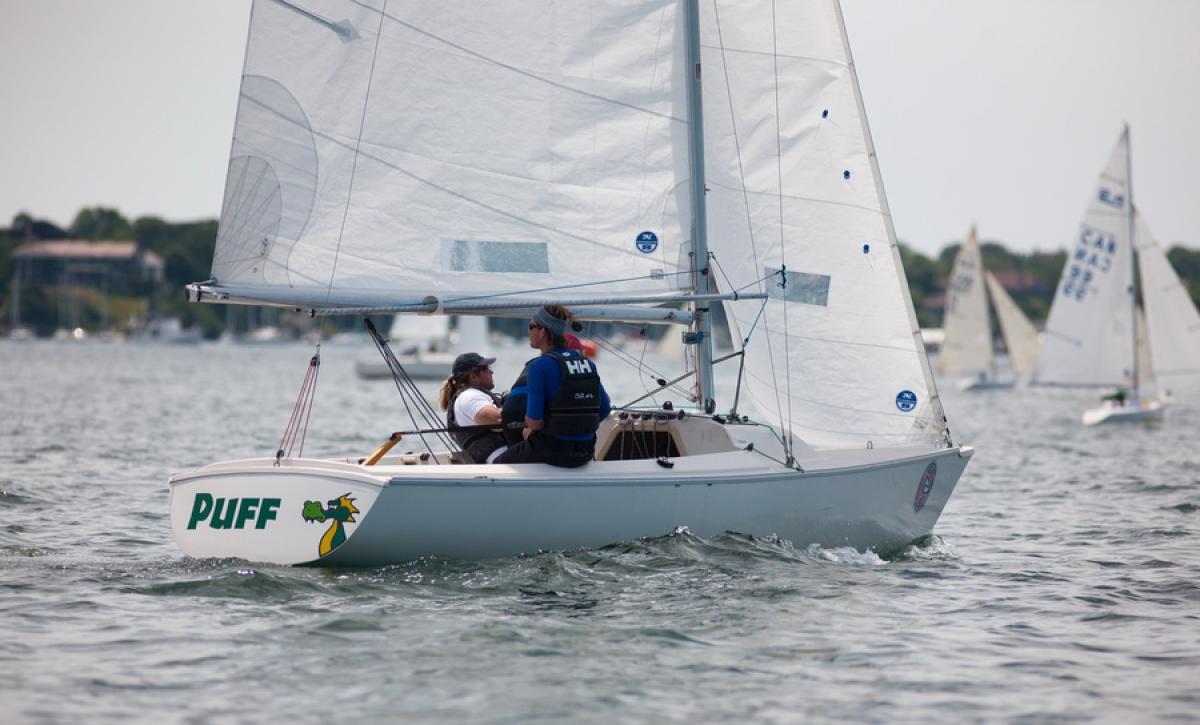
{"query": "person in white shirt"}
pixel 466 396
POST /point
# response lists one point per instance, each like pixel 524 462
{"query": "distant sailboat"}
pixel 967 343
pixel 422 345
pixel 1096 334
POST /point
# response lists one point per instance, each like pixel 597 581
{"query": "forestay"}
pixel 1171 317
pixel 968 343
pixel 835 355
pixel 1088 338
pixel 386 151
pixel 1020 336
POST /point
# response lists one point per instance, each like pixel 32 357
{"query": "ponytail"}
pixel 450 387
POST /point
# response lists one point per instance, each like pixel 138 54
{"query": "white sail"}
pixel 386 151
pixel 967 347
pixel 1089 334
pixel 422 330
pixel 1172 321
pixel 1020 336
pixel 473 334
pixel 796 208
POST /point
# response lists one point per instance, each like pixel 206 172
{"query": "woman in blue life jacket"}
pixel 565 400
pixel 466 396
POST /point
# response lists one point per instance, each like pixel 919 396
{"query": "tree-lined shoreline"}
pixel 186 251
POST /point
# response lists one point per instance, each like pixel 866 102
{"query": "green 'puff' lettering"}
pixel 201 507
pixel 222 517
pixel 266 512
pixel 246 512
pixel 230 515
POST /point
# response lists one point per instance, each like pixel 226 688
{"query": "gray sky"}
pixel 998 112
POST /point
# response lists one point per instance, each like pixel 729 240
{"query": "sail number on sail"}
pixel 1094 252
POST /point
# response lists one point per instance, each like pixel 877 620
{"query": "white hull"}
pixel 424 367
pixel 1131 410
pixel 880 499
pixel 975 384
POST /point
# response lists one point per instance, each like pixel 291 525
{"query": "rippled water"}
pixel 1063 584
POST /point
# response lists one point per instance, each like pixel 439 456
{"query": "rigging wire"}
pixel 746 198
pixel 301 411
pixel 638 364
pixel 787 347
pixel 414 401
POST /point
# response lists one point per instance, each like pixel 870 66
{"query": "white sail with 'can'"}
pixel 1089 335
pixel 486 159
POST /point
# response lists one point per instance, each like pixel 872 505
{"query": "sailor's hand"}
pixel 525 433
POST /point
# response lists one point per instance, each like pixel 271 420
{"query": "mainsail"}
pixel 968 344
pixel 1020 336
pixel 1088 338
pixel 385 151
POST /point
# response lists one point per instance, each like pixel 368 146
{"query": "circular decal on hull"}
pixel 924 486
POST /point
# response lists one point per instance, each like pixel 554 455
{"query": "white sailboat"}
pixel 966 348
pixel 422 344
pixel 1096 334
pixel 412 157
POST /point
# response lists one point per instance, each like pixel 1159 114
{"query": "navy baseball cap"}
pixel 469 361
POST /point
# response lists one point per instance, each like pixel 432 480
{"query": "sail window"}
pixel 802 287
pixel 474 255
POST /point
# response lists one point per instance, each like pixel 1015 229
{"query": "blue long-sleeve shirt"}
pixel 544 382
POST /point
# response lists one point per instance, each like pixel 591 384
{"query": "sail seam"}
pixel 796 197
pixel 804 58
pixel 362 123
pixel 360 153
pixel 492 61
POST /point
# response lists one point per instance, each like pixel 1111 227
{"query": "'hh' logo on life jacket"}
pixel 579 367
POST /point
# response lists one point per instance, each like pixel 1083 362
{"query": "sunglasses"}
pixel 535 326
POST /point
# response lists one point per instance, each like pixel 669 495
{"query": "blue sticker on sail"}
pixel 906 400
pixel 647 242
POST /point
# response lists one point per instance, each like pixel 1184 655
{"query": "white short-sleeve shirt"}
pixel 468 405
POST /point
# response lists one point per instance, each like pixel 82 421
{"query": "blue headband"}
pixel 544 319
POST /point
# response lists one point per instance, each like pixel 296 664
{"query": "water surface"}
pixel 1063 583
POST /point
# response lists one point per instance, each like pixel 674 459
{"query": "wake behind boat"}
pixel 413 159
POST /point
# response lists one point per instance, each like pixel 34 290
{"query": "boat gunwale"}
pixel 353 472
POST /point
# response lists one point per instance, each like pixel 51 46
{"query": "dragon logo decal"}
pixel 338 512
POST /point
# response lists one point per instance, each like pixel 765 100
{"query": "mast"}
pixel 1133 260
pixel 702 327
